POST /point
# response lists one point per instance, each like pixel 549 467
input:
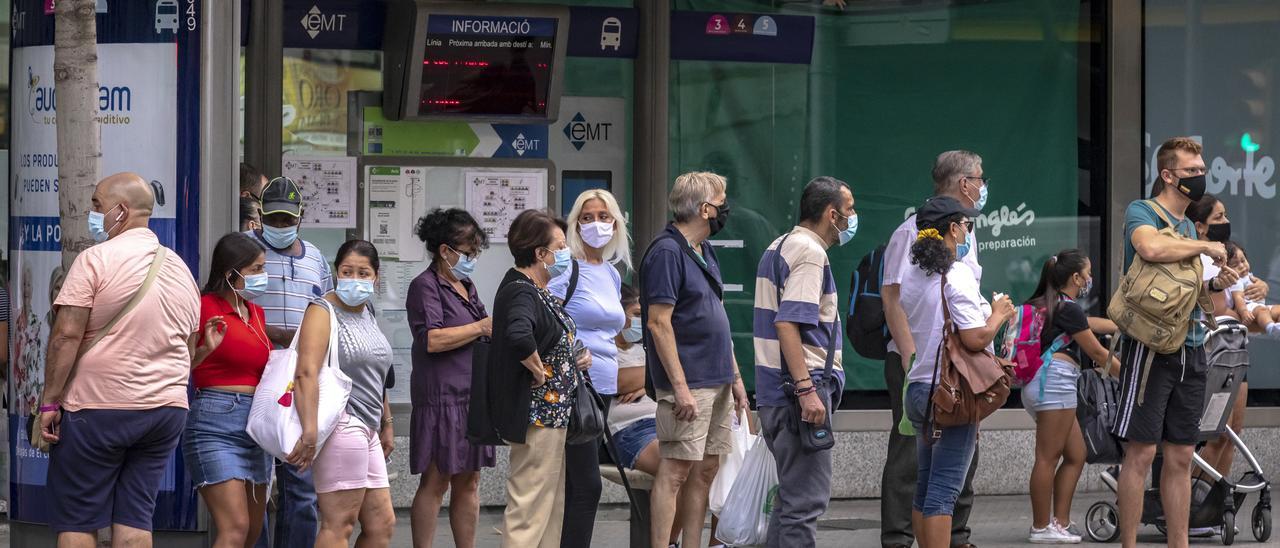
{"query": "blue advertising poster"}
pixel 148 72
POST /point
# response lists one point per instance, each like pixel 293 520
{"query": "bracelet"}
pixel 806 391
pixel 50 407
pixel 388 420
pixel 798 381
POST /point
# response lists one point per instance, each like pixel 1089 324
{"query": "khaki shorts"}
pixel 709 434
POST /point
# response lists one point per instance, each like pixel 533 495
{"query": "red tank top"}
pixel 242 356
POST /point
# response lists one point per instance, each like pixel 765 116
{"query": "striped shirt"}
pixel 293 281
pixel 808 300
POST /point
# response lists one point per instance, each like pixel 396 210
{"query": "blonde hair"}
pixel 618 250
pixel 691 190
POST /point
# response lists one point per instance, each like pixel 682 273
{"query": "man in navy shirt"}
pixel 691 364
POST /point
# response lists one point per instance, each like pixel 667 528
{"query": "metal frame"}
pixel 264 76
pixel 650 113
pixel 1124 114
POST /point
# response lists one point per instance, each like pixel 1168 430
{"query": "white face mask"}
pixel 597 234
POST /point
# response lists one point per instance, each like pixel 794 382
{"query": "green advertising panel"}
pixel 880 99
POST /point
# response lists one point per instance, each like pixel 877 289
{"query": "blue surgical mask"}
pixel 254 286
pixel 354 292
pixel 848 233
pixel 280 238
pixel 633 332
pixel 962 249
pixel 982 198
pixel 96 230
pixel 464 267
pixel 564 258
pixel 97 222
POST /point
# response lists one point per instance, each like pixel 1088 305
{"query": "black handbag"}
pixel 586 417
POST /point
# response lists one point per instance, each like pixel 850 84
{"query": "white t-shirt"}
pixel 897 260
pixel 923 304
pixel 622 415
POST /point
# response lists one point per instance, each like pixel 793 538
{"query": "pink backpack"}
pixel 1021 344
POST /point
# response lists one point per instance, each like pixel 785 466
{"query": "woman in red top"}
pixel 227 359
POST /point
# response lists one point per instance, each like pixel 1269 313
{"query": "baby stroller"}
pixel 1213 503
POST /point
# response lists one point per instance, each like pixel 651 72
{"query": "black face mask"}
pixel 722 216
pixel 1192 187
pixel 1220 232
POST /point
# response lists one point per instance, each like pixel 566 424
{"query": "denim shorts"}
pixel 942 463
pixel 216 446
pixel 631 441
pixel 1053 387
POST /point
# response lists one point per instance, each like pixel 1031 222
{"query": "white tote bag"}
pixel 730 464
pixel 273 419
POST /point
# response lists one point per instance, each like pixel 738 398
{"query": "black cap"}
pixel 938 208
pixel 281 196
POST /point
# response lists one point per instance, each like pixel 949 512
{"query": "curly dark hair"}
pixel 932 254
pixel 629 295
pixel 453 227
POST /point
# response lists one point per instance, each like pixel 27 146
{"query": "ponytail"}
pixel 930 251
pixel 1055 274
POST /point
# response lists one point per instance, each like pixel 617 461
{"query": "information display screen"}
pixel 487 65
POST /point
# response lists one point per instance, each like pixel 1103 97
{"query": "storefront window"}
pixel 886 89
pixel 1212 74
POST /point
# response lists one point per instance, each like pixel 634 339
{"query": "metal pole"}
pixel 219 89
pixel 1124 136
pixel 649 195
pixel 263 103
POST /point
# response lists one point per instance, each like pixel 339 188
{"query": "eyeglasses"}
pixel 985 180
pixel 968 225
pixel 1191 171
pixel 473 255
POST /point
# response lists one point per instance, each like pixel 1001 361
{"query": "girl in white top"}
pixel 943 459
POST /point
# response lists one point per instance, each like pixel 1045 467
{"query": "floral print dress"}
pixel 551 402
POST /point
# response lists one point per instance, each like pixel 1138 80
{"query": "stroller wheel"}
pixel 1261 523
pixel 1102 522
pixel 1228 528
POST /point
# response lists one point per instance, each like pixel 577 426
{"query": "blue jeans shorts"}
pixel 942 463
pixel 631 441
pixel 1054 387
pixel 216 446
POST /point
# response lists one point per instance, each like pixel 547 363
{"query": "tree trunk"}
pixel 75 77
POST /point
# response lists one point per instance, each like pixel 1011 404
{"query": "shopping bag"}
pixel 744 520
pixel 730 464
pixel 273 418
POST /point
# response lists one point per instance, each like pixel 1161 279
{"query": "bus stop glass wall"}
pixel 1212 73
pixel 887 88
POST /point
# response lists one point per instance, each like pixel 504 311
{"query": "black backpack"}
pixel 865 325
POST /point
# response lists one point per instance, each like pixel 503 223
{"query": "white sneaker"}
pixel 1048 535
pixel 1071 538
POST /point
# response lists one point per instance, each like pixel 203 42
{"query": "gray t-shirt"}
pixel 364 355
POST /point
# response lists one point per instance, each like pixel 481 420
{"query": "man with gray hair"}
pixel 799 377
pixel 958 174
pixel 690 362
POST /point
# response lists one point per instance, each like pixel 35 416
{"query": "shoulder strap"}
pixel 1159 209
pixel 156 263
pixel 573 282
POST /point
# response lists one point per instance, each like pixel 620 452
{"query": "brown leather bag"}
pixel 967 386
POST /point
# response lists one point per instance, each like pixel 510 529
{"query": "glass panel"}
pixel 1212 73
pixel 887 89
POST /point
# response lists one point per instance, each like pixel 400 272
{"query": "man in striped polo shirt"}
pixel 297 273
pixel 796 337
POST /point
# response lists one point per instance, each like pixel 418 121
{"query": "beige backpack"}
pixel 1155 301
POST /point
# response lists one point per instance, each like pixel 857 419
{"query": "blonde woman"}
pixel 599 242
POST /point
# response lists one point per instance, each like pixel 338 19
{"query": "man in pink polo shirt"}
pixel 114 414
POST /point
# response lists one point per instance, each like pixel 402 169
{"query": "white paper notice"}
pixel 497 197
pixel 1214 411
pixel 384 199
pixel 395 325
pixel 328 187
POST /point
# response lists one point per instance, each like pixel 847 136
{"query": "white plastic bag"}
pixel 744 520
pixel 730 464
pixel 273 418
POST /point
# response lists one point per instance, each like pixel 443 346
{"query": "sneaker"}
pixel 1048 535
pixel 1072 538
pixel 1073 529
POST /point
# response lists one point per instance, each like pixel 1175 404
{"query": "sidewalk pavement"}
pixel 997 522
